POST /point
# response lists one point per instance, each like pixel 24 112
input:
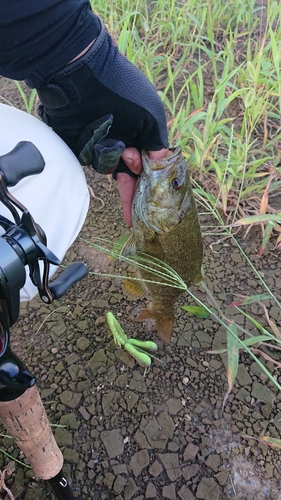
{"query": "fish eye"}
pixel 176 183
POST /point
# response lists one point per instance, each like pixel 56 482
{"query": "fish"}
pixel 165 227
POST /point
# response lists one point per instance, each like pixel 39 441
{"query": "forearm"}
pixel 38 38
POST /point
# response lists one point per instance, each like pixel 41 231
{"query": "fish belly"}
pixel 180 248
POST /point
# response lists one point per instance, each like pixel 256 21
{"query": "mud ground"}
pixel 163 436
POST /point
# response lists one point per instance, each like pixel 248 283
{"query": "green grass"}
pixel 216 66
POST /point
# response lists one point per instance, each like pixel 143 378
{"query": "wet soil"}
pixel 165 435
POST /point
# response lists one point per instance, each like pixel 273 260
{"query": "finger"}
pixel 126 187
pixel 132 158
pixel 158 155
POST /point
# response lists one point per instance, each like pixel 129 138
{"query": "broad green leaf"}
pixel 233 359
pixel 248 342
pixel 249 98
pixel 252 71
pixel 199 311
pixel 254 340
pixel 267 233
pixel 252 300
pixel 274 443
pixel 254 219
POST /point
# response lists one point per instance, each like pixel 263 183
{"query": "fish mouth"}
pixel 150 165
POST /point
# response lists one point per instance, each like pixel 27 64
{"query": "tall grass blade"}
pixel 232 359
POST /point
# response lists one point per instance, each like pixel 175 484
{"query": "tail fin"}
pixel 164 323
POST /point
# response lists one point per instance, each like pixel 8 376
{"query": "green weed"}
pixel 216 66
pixel 28 101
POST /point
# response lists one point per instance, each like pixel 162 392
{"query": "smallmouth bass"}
pixel 165 226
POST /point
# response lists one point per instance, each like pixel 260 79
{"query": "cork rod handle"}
pixel 25 419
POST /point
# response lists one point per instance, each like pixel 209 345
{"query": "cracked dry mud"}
pixel 164 436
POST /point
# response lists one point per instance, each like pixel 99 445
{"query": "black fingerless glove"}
pixel 103 104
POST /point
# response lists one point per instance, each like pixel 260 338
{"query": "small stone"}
pixel 150 491
pixel 263 393
pixel 174 406
pixel 70 421
pixel 139 461
pixel 166 423
pixel 141 440
pixel 70 399
pixel 155 469
pixel 120 469
pixel 59 328
pixel 222 477
pixel 208 489
pixel 154 434
pixel 35 492
pixel 59 367
pixel 171 465
pixel 173 446
pixel 73 371
pixel 266 410
pixel 18 486
pixel 131 399
pixel 190 471
pixel 119 484
pixel 63 436
pixel 138 385
pixel 243 395
pixel 122 380
pixel 11 466
pixel 169 492
pixel 243 376
pixel 98 359
pixel 113 442
pixel 185 493
pixel 84 413
pixel 83 343
pixel 46 393
pixel 190 452
pixel 130 489
pixel 92 409
pixel 71 455
pixel 72 358
pixel 108 480
pixel 277 420
pixel 269 470
pixel 213 462
pixel 107 400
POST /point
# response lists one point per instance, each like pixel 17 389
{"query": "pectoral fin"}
pixel 129 248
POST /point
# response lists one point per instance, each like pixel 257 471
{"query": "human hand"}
pixel 114 114
pixel 127 184
pixel 139 122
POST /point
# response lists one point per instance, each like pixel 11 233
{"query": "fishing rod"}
pixel 23 245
